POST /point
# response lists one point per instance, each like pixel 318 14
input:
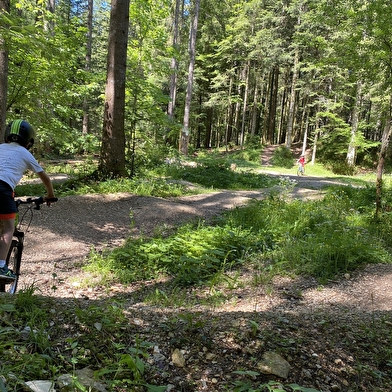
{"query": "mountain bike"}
pixel 300 170
pixel 14 257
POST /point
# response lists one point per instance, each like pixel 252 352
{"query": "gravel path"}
pixel 312 320
pixel 62 236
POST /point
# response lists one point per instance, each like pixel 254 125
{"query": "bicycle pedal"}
pixel 7 279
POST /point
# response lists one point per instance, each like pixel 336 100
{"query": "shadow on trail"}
pixel 314 182
pixel 317 338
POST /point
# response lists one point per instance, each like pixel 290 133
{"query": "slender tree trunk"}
pixel 112 160
pixel 85 127
pixel 352 147
pixel 4 7
pixel 185 132
pixel 229 116
pixel 305 138
pixel 281 131
pixel 208 126
pixel 245 103
pixel 50 7
pixel 255 109
pixel 291 114
pixel 237 113
pixel 381 159
pixel 174 63
pixel 273 95
pixel 315 139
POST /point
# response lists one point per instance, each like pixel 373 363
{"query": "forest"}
pixel 178 257
pixel 203 75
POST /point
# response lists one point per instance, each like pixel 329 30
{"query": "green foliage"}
pixel 156 179
pixel 33 346
pixel 46 76
pixel 283 157
pixel 69 143
pixel 320 238
pixel 247 386
pixel 193 255
pixel 340 167
pixel 219 175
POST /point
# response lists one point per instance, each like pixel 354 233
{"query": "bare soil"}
pixel 334 337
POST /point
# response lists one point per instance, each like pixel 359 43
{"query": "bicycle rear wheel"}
pixel 300 171
pixel 13 261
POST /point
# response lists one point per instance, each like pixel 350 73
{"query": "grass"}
pixel 199 264
pixel 36 344
pixel 322 238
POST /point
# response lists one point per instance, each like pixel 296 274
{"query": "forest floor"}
pixel 329 335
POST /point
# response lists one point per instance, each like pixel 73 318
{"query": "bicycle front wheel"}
pixel 14 260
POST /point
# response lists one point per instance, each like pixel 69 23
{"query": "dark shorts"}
pixel 7 202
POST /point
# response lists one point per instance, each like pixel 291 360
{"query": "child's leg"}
pixel 6 233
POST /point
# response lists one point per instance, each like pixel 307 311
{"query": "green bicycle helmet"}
pixel 20 131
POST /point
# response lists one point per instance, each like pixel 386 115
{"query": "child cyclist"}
pixel 301 161
pixel 15 159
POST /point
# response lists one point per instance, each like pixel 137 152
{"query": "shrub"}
pixel 283 157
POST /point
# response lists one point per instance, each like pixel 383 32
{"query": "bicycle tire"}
pixel 14 260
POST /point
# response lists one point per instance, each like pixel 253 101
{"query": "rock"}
pixel 273 363
pixel 40 386
pixel 178 358
pixel 83 376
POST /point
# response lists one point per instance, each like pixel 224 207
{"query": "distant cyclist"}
pixel 15 159
pixel 301 162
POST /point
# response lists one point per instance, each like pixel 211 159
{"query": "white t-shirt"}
pixel 14 161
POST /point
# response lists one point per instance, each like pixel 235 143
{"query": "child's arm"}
pixel 48 184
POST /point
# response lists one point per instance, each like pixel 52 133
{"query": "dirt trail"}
pixel 315 321
pixel 62 236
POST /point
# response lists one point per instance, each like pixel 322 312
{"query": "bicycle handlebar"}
pixel 37 201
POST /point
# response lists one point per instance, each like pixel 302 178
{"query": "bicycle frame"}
pixel 300 170
pixel 14 261
pixel 14 257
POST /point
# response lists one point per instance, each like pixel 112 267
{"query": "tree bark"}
pixel 185 132
pixel 272 105
pixel 174 63
pixel 245 103
pixel 291 114
pixel 112 161
pixel 381 158
pixel 85 126
pixel 4 7
pixel 352 147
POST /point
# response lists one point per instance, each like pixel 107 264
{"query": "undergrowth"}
pixel 206 173
pixel 41 339
pixel 321 238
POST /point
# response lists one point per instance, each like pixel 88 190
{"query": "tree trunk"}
pixel 305 138
pixel 112 160
pixel 315 139
pixel 237 110
pixel 255 110
pixel 185 132
pixel 85 127
pixel 229 116
pixel 245 103
pixel 381 159
pixel 352 147
pixel 291 114
pixel 174 64
pixel 273 95
pixel 4 7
